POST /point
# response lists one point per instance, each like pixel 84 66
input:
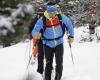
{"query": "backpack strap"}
pixel 63 26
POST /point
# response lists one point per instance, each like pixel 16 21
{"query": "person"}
pixel 40 68
pixel 91 13
pixel 53 40
pixel 92 27
pixel 37 42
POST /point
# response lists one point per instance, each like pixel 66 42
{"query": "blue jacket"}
pixel 54 32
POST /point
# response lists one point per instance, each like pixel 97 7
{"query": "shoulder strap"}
pixel 60 17
pixel 63 26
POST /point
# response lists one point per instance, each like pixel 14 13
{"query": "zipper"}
pixel 54 33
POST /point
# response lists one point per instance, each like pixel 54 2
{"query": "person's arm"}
pixel 69 25
pixel 70 28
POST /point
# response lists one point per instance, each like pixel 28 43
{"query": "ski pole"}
pixel 71 53
pixel 29 55
pixel 29 61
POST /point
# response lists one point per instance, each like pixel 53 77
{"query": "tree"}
pixel 18 20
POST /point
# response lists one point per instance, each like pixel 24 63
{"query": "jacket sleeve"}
pixel 38 26
pixel 68 24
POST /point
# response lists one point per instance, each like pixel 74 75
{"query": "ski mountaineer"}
pixel 53 39
pixel 37 44
pixel 41 56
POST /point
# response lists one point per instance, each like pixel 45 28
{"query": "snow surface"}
pixel 14 60
pixel 6 22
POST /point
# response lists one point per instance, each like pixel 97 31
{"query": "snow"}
pixel 6 22
pixel 14 60
pixel 86 59
pixel 29 9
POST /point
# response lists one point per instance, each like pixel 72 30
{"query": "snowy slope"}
pixel 14 60
pixel 87 62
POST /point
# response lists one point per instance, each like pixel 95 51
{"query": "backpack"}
pixel 63 27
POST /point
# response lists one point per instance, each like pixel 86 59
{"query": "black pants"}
pixel 49 54
pixel 40 68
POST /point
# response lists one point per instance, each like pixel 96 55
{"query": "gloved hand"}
pixel 70 39
pixel 38 36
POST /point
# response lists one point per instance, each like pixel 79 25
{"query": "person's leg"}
pixel 49 53
pixel 59 61
pixel 40 68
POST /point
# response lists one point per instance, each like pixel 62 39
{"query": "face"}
pixel 52 14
